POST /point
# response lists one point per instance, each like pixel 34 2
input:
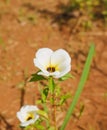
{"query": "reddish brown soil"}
pixel 26 26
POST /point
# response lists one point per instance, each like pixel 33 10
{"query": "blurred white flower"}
pixel 27 115
pixel 52 63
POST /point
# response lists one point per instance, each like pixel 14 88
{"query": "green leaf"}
pixel 44 94
pixel 27 127
pixel 38 101
pixel 65 77
pixel 58 90
pixel 80 86
pixel 64 98
pixel 36 77
pixel 42 113
pixel 40 127
pixel 81 111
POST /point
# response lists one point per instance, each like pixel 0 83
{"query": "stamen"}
pixel 29 118
pixel 51 69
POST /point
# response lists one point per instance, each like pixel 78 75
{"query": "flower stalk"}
pixel 52 87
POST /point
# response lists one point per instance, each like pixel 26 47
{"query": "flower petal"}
pixel 54 74
pixel 43 57
pixel 23 113
pixel 39 65
pixel 31 108
pixel 32 121
pixel 20 116
pixel 64 69
pixel 26 123
pixel 60 56
pixel 43 73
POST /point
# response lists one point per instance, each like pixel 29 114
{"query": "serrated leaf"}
pixel 65 77
pixel 36 77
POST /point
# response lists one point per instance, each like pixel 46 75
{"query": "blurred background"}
pixel 26 26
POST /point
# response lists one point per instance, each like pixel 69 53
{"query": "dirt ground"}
pixel 26 26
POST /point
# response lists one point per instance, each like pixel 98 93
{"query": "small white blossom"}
pixel 52 63
pixel 27 115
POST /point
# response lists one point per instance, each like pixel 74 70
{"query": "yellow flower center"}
pixel 29 116
pixel 51 69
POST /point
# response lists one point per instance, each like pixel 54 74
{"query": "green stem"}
pixel 52 91
pixel 51 85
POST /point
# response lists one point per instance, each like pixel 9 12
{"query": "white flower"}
pixel 52 63
pixel 27 115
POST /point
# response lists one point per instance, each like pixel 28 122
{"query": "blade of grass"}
pixel 80 86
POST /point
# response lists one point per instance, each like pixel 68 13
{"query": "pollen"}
pixel 51 69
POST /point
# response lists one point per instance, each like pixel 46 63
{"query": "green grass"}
pixel 80 86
